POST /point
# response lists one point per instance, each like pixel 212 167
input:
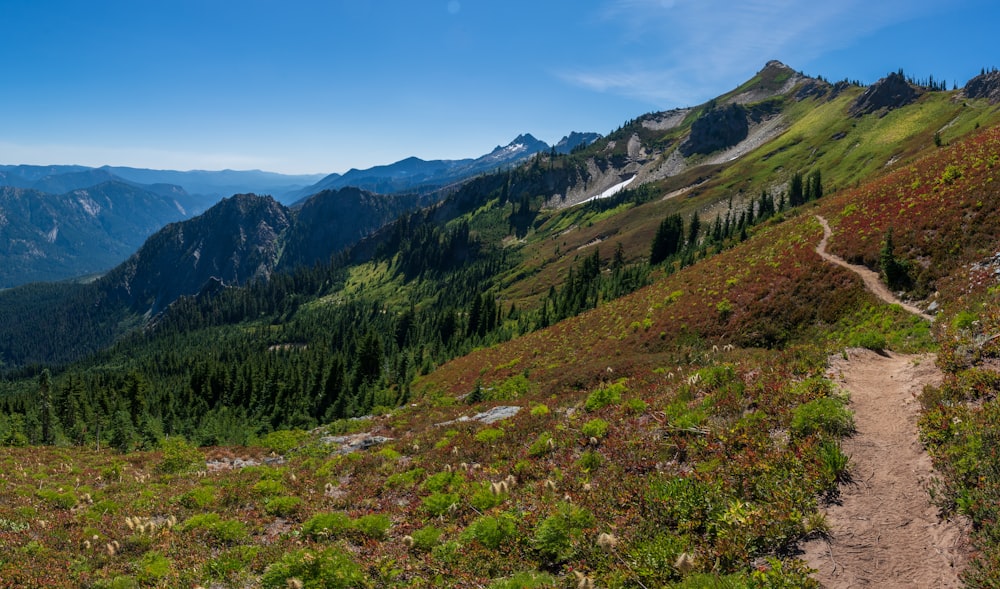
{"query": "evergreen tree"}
pixel 618 261
pixel 667 240
pixel 893 271
pixel 796 193
pixel 815 185
pixel 693 230
pixel 46 411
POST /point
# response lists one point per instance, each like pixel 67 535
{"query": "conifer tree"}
pixel 693 230
pixel 796 191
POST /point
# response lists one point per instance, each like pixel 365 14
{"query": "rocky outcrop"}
pixel 234 242
pixel 892 91
pixel 717 128
pixel 985 85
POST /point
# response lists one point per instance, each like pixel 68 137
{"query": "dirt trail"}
pixel 871 279
pixel 884 532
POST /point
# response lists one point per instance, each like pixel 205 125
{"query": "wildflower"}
pixel 606 541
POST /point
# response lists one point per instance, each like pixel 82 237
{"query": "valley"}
pixel 694 369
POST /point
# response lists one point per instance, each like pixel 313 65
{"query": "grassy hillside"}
pixel 681 435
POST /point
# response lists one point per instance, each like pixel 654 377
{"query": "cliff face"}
pixel 717 129
pixel 985 85
pixel 889 93
pixel 235 241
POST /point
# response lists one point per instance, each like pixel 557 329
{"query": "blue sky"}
pixel 310 86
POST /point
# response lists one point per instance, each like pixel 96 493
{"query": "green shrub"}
pixel 870 340
pixel 426 538
pixel 230 562
pixel 230 531
pixel 484 499
pixel 326 525
pixel 833 461
pixel 542 445
pixel 153 567
pixel 489 435
pixel 283 506
pixel 605 395
pixel 684 503
pixel 590 461
pixel 406 479
pixel 636 406
pixel 595 428
pixel 269 488
pixel 58 499
pixel 374 526
pixel 222 531
pixel 199 497
pixel 524 580
pixel 179 456
pixel 557 537
pixel 201 521
pixel 443 481
pixel 284 440
pixel 826 415
pixel 653 560
pixel 491 530
pixel 964 319
pixel 510 389
pixel 331 568
pixel 438 504
pixel 540 410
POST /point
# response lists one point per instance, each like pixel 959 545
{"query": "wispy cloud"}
pixel 693 49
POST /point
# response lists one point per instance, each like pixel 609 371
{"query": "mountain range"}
pixel 615 366
pixel 104 214
pixel 416 175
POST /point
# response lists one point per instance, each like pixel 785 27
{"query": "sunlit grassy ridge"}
pixel 683 435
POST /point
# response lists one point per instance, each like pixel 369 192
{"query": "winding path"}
pixel 884 531
pixel 871 279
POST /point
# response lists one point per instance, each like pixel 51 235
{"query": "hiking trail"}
pixel 884 531
pixel 871 279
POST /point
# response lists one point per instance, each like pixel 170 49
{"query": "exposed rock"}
pixel 237 463
pixel 354 442
pixel 986 85
pixel 716 129
pixel 488 417
pixel 892 91
pixel 812 88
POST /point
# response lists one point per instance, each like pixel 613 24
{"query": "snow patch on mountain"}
pixel 612 191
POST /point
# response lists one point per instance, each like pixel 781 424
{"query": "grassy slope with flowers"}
pixel 680 435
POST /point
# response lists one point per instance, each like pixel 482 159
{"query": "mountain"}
pixel 575 140
pixel 204 187
pixel 86 230
pixel 213 185
pixel 234 242
pixel 416 175
pixel 333 220
pixel 503 388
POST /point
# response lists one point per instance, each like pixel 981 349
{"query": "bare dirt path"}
pixel 871 279
pixel 884 532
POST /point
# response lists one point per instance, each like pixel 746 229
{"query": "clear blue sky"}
pixel 307 86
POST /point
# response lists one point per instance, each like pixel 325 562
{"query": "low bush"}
pixel 557 538
pixel 823 416
pixel 492 531
pixel 426 538
pixel 331 568
pixel 326 525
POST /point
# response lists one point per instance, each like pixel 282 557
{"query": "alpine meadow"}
pixel 634 360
